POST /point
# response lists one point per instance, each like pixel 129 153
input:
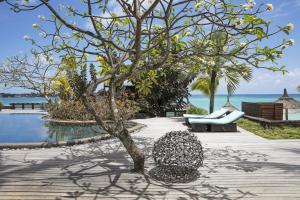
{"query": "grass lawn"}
pixel 282 132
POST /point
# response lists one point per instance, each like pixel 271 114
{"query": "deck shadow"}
pixel 102 170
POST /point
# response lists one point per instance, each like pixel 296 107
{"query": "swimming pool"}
pixel 32 128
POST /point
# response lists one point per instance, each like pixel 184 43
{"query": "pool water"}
pixel 31 128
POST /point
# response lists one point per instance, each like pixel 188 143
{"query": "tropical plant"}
pixel 197 110
pixel 162 90
pixel 61 87
pixel 124 41
pixel 219 67
pixel 298 88
pixel 203 84
pixel 75 109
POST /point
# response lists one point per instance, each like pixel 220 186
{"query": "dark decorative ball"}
pixel 178 149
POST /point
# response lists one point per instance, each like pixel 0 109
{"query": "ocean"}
pixel 8 100
pixel 197 100
pixel 236 100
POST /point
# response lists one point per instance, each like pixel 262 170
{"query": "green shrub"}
pixel 1 105
pixel 198 111
pixel 69 110
pixel 75 110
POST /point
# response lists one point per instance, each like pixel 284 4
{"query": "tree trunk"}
pixel 122 133
pixel 135 153
pixel 212 91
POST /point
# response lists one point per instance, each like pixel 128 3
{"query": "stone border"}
pixel 17 111
pixel 68 122
pixel 7 146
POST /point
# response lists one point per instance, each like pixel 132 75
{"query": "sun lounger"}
pixel 214 115
pixel 224 124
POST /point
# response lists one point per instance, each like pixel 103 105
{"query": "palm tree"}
pixel 203 84
pixel 219 67
pixel 232 75
pixel 233 78
pixel 298 88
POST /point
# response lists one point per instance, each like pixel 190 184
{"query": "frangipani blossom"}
pixel 270 7
pixel 41 17
pixel 27 37
pixel 290 42
pixel 35 25
pixel 290 26
pixel 249 5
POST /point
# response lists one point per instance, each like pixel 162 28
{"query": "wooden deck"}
pixel 237 166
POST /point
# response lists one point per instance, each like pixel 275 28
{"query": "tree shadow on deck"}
pixel 103 170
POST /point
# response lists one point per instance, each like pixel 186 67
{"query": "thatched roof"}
pixel 230 107
pixel 288 102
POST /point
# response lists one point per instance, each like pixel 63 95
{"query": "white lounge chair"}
pixel 214 115
pixel 224 124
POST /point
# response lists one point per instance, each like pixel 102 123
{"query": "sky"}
pixel 13 27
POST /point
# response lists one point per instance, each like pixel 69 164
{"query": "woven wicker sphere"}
pixel 179 149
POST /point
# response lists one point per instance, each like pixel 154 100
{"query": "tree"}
pixel 232 76
pixel 229 66
pixel 36 74
pixel 163 90
pixel 202 84
pixel 122 35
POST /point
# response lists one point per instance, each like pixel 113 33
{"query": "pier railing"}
pixel 23 106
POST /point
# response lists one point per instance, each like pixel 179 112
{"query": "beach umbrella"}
pixel 288 103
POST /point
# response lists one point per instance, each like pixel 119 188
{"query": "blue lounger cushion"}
pixel 214 115
pixel 232 117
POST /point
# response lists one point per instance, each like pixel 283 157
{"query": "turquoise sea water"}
pixel 197 100
pixel 7 100
pixel 236 100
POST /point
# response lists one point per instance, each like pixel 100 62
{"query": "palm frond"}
pixel 202 84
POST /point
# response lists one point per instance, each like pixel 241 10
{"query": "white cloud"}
pixel 268 82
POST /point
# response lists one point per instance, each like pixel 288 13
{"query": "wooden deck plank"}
pixel 237 165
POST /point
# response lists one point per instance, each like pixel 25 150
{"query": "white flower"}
pixel 270 7
pixel 249 5
pixel 41 17
pixel 290 26
pixel 27 37
pixel 188 33
pixel 50 59
pixel 290 42
pixel 238 21
pixel 242 44
pixel 211 63
pixel 35 25
pixel 252 2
